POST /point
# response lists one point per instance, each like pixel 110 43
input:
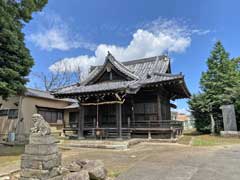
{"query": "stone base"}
pixel 41 159
pixel 60 177
pixel 40 162
pixel 41 149
pixel 230 133
pixel 36 139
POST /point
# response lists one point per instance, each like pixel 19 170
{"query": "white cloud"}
pixel 200 32
pixel 152 39
pixel 54 33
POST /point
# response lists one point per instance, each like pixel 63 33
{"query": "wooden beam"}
pixel 118 97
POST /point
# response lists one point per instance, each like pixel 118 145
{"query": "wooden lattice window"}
pixel 3 112
pixel 12 113
pixel 51 115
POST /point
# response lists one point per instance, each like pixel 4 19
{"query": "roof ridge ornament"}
pixel 166 58
pixel 120 65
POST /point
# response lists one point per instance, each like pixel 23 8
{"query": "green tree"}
pixel 199 109
pixel 220 85
pixel 15 58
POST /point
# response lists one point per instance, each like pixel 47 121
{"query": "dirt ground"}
pixel 156 161
pixel 185 163
pixel 149 161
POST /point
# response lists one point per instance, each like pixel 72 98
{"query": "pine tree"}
pixel 15 58
pixel 219 85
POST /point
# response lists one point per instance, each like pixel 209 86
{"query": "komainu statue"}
pixel 40 126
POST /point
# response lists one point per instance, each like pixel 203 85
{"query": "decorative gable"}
pixel 112 70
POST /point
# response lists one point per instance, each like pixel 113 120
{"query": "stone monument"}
pixel 41 159
pixel 229 120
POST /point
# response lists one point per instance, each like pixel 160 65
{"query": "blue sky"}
pixel 81 32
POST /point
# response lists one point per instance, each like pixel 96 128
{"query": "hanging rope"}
pixel 102 103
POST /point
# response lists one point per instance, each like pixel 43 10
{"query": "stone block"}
pixel 33 164
pixel 40 162
pixel 41 157
pixel 56 171
pixel 51 163
pixel 82 175
pixel 74 167
pixel 41 149
pixel 59 159
pixel 35 173
pixel 96 170
pixel 60 177
pixel 230 133
pixel 36 139
pixel 25 178
pixel 81 162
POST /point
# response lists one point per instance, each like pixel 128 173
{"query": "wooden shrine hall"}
pixel 127 99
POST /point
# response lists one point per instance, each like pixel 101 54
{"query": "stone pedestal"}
pixel 41 159
pixel 230 133
pixel 229 118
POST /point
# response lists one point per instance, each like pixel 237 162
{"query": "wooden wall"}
pixel 8 125
pixel 145 106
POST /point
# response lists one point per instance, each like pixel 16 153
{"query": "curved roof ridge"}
pixel 91 75
pixel 121 67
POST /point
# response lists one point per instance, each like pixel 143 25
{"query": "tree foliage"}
pixel 220 84
pixel 15 58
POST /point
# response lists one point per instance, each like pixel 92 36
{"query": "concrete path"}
pixel 213 163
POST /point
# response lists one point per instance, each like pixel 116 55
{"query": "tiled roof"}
pixel 72 106
pixel 141 67
pixel 118 85
pixel 143 72
pixel 43 94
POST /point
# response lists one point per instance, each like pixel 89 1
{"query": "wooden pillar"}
pixel 159 108
pixel 119 119
pixel 81 122
pixel 94 126
pixel 149 135
pixel 133 112
pixel 97 125
pixel 168 110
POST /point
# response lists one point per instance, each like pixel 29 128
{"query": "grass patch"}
pixel 113 174
pixel 15 150
pixel 6 160
pixel 208 140
pixel 10 154
pixel 191 132
pixel 199 139
pixel 185 140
